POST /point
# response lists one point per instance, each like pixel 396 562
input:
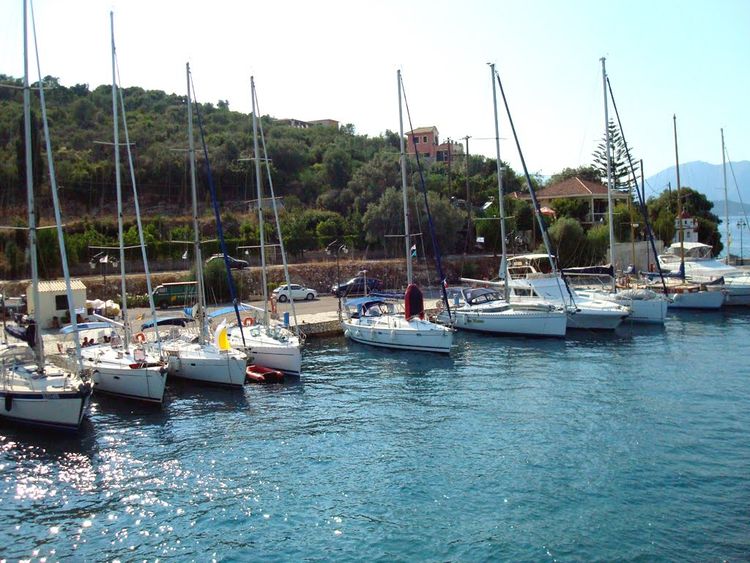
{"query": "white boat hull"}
pixel 711 300
pixel 526 323
pixel 206 365
pixel 592 319
pixel 55 400
pixel 276 348
pixel 117 373
pixel 397 333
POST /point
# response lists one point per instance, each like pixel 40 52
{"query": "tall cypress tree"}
pixel 621 176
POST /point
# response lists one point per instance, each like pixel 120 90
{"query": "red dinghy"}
pixel 261 374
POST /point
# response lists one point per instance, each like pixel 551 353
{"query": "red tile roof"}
pixel 572 188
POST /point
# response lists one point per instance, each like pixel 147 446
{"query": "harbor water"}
pixel 626 446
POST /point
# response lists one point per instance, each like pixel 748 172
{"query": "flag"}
pixel 414 250
pixel 185 255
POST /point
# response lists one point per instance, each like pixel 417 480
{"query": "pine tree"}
pixel 621 175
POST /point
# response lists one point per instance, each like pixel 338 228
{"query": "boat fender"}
pixel 140 338
pixel 273 305
pixel 8 402
pixel 248 321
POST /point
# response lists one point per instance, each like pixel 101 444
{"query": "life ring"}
pixel 140 337
pixel 248 321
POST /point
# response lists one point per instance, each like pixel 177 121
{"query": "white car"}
pixel 282 293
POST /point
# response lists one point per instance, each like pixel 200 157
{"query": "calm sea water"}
pixel 632 446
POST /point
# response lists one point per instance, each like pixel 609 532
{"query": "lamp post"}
pixel 335 248
pixel 741 224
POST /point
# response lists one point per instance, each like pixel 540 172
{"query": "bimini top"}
pixel 167 321
pixel 363 301
pixel 69 329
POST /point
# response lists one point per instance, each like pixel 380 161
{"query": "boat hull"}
pixel 274 348
pixel 522 323
pixel 55 399
pixel 140 384
pixel 711 300
pixel 399 334
pixel 226 368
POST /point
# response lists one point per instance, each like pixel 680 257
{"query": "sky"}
pixel 338 60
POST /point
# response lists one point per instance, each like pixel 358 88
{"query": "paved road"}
pixel 325 304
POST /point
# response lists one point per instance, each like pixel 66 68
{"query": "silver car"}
pixel 283 293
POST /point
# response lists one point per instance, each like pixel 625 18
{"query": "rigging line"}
pixel 435 247
pixel 288 279
pixel 56 205
pixel 149 285
pixel 736 184
pixel 537 209
pixel 644 209
pixel 217 214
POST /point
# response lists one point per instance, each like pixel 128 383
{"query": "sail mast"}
pixel 118 187
pixel 610 211
pixel 500 202
pixel 726 197
pixel 38 346
pixel 259 180
pixel 407 236
pixel 681 233
pixel 201 313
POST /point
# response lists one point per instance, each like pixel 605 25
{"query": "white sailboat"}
pixel 700 264
pixel 33 391
pixel 266 343
pixel 646 305
pixel 684 294
pixel 122 367
pixel 487 310
pixel 196 357
pixel 376 322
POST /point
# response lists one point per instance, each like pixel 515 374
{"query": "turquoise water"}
pixel 632 446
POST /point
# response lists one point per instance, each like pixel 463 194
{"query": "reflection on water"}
pixel 622 445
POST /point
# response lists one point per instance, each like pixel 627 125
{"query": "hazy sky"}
pixel 338 59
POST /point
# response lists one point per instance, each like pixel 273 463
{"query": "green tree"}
pixel 568 241
pixel 621 176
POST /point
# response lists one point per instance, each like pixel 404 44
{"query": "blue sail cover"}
pixel 69 329
pixel 26 334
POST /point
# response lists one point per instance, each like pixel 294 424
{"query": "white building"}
pixel 53 300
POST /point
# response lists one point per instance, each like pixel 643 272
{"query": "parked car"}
pixel 356 286
pixel 175 294
pixel 234 263
pixel 283 294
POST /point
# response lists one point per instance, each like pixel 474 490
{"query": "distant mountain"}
pixel 709 180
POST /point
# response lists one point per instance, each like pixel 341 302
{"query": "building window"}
pixel 424 139
pixel 416 140
pixel 61 302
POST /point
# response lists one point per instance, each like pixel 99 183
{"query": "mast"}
pixel 56 207
pixel 201 314
pixel 726 197
pixel 680 231
pixel 38 346
pixel 407 236
pixel 501 203
pixel 118 186
pixel 610 211
pixel 261 226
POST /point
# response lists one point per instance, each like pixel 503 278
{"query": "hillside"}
pixel 708 179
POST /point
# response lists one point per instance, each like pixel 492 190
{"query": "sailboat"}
pixel 199 358
pixel 646 305
pixel 685 294
pixel 534 279
pixel 375 321
pixel 269 344
pixel 487 310
pixel 700 264
pixel 33 390
pixel 124 367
